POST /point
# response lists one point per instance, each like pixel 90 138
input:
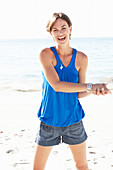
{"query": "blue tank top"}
pixel 60 109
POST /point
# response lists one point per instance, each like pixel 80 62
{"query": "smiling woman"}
pixel 60 112
pixel 56 28
pixel 61 31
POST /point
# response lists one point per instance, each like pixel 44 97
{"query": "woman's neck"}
pixel 64 50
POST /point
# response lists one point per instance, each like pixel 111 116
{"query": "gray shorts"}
pixel 49 136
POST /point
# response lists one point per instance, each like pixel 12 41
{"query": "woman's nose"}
pixel 60 31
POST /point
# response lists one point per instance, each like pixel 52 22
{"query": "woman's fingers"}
pixel 103 91
pixel 100 89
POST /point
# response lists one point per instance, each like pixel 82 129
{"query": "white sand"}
pixel 18 126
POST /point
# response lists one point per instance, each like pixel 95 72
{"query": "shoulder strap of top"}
pixel 74 56
pixel 55 53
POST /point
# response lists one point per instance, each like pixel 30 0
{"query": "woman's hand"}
pixel 100 89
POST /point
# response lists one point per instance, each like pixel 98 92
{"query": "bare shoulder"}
pixel 81 56
pixel 81 60
pixel 45 55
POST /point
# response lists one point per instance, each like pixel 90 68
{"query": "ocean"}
pixel 20 69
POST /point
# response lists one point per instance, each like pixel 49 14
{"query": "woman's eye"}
pixel 54 30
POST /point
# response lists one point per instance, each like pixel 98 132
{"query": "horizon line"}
pixel 3 39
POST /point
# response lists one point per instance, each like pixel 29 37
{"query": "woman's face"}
pixel 61 31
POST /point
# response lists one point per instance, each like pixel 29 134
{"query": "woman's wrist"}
pixel 89 87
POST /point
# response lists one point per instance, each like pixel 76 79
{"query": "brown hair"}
pixel 55 16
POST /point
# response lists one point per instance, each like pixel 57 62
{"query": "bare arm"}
pixel 82 73
pixel 52 76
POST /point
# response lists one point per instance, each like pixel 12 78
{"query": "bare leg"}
pixel 41 156
pixel 79 155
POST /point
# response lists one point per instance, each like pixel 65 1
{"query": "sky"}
pixel 26 19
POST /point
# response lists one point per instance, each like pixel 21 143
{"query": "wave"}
pixel 30 90
pixel 23 86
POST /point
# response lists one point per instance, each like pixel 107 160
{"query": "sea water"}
pixel 20 69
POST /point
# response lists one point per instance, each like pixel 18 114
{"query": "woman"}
pixel 60 113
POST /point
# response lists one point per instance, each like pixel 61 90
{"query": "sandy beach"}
pixel 18 126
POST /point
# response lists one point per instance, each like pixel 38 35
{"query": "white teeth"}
pixel 61 38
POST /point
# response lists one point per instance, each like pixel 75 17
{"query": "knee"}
pixel 82 167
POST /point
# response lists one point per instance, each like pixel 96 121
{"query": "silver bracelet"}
pixel 89 87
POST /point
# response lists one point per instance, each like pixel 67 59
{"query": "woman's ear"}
pixel 70 29
pixel 70 32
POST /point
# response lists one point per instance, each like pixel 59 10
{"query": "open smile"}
pixel 62 38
